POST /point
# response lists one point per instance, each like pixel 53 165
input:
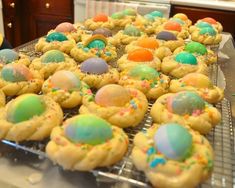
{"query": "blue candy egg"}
pixel 56 36
pixel 8 56
pixel 173 141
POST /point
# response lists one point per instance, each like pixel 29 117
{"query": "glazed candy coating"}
pixel 56 36
pixel 88 129
pixel 112 95
pixel 53 56
pixel 16 73
pixel 185 103
pixel 65 27
pixel 196 47
pixel 144 72
pixel 186 58
pixel 25 107
pixel 94 66
pixel 65 80
pixel 8 56
pixel 103 31
pixel 165 35
pixel 173 140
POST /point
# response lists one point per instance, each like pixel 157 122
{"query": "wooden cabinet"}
pixel 44 15
pixel 25 20
pixel 11 19
pixel 226 18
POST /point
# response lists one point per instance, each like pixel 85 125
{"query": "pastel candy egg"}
pixel 173 141
pixel 185 103
pixel 144 72
pixel 53 56
pixel 149 17
pixel 181 16
pixel 103 31
pixel 94 66
pixel 65 80
pixel 129 12
pixel 8 56
pixel 16 73
pixel 118 15
pixel 112 95
pixel 209 20
pixel 132 31
pixel 25 107
pixel 196 47
pixel 166 36
pixel 88 129
pixel 100 44
pixel 140 55
pixel 186 58
pixel 156 14
pixel 197 80
pixel 65 27
pixel 177 20
pixel 207 30
pixel 150 43
pixel 100 18
pixel 172 26
pixel 56 36
pixel 203 24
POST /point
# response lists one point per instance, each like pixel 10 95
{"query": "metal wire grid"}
pixel 221 139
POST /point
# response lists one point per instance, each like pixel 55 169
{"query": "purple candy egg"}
pixel 165 35
pixel 94 66
pixel 103 31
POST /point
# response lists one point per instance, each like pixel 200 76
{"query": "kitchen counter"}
pixel 211 4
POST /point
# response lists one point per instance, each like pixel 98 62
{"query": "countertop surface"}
pixel 212 4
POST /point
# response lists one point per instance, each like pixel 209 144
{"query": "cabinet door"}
pixel 226 18
pixel 44 15
pixel 11 20
pixel 40 24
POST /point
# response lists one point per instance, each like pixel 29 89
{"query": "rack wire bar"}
pixel 221 139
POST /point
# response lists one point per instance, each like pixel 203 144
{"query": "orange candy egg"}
pixel 181 16
pixel 140 55
pixel 173 26
pixel 148 43
pixel 100 18
pixel 209 20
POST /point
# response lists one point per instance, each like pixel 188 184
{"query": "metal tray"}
pixel 221 139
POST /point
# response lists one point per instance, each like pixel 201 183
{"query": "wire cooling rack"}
pixel 221 139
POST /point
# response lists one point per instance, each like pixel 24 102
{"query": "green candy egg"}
pixel 144 72
pixel 53 56
pixel 56 36
pixel 97 43
pixel 156 14
pixel 132 31
pixel 88 129
pixel 203 24
pixel 196 47
pixel 186 58
pixel 207 30
pixel 149 17
pixel 118 15
pixel 185 103
pixel 129 12
pixel 25 107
